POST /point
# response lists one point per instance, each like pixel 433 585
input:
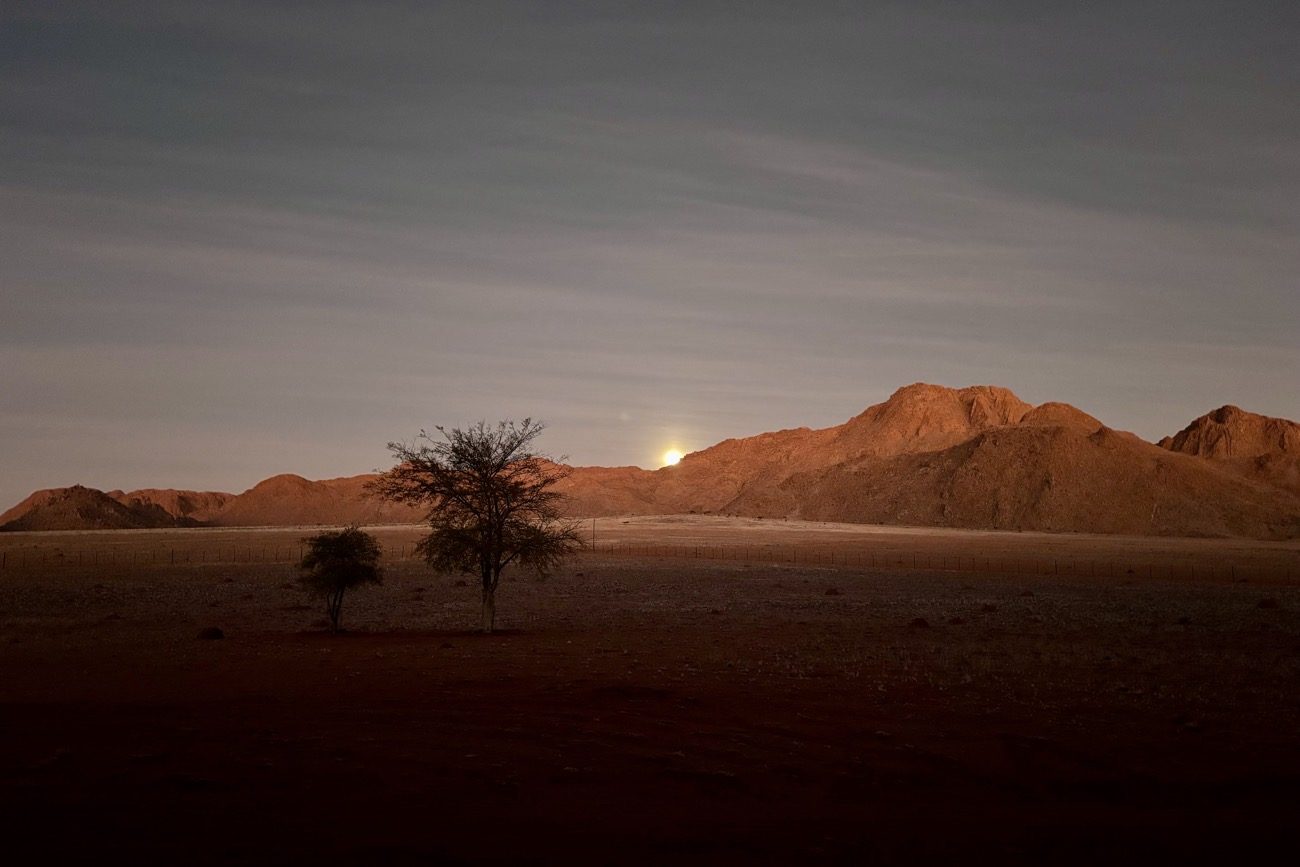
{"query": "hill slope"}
pixel 1051 478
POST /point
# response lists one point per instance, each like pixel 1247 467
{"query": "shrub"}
pixel 337 561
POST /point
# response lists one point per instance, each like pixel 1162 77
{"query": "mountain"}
pixel 1048 478
pixel 284 500
pixel 288 500
pixel 199 506
pixel 976 457
pixel 916 418
pixel 1053 414
pixel 84 509
pixel 596 491
pixel 1256 447
pixel 1230 433
pixel 749 476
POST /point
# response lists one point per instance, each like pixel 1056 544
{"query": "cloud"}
pixel 295 236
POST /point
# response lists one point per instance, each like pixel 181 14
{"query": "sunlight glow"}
pixel 671 457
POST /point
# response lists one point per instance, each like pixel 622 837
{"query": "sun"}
pixel 671 457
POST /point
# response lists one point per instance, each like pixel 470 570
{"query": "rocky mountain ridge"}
pixel 976 457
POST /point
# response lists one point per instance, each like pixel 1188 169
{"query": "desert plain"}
pixel 692 690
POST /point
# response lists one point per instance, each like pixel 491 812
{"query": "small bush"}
pixel 336 562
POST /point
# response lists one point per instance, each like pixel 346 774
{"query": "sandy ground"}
pixel 653 709
pixel 707 537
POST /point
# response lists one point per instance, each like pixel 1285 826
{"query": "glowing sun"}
pixel 671 457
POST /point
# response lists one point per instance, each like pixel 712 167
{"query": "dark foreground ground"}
pixel 650 711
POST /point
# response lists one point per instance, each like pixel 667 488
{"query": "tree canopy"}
pixel 337 561
pixel 490 498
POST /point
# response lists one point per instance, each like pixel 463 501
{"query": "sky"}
pixel 245 239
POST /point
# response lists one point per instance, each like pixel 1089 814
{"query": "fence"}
pixel 837 558
pixel 926 562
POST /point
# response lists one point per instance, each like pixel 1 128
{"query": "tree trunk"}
pixel 489 609
pixel 335 610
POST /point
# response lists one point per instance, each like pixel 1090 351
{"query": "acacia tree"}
pixel 491 502
pixel 337 561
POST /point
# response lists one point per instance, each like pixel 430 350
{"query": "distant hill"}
pixel 1231 432
pixel 1254 446
pixel 1049 478
pixel 199 506
pixel 976 457
pixel 290 500
pixel 84 509
pixel 751 476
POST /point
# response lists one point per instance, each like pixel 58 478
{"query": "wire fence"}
pixel 915 561
pixel 857 558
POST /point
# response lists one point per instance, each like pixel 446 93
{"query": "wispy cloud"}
pixel 277 240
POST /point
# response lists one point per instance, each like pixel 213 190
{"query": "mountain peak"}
pixel 84 508
pixel 1057 414
pixel 1232 432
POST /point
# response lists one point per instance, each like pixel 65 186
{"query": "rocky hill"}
pixel 975 457
pixel 288 500
pixel 1257 447
pixel 1231 432
pixel 80 508
pixel 1048 478
pixel 198 506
